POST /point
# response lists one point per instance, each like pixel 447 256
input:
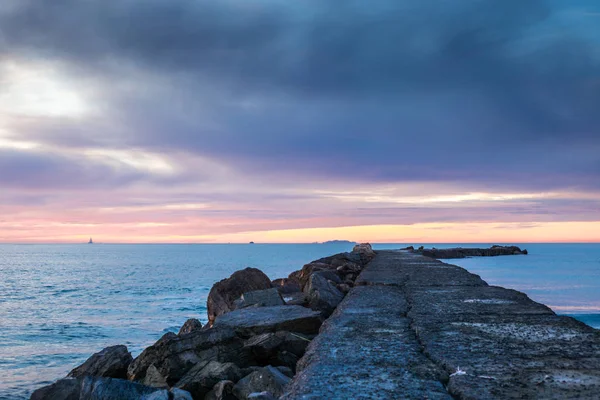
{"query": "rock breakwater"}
pixel 257 331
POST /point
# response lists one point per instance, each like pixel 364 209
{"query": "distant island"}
pixel 339 242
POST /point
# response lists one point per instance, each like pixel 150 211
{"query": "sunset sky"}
pixel 299 121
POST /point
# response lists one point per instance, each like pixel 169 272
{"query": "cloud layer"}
pixel 258 108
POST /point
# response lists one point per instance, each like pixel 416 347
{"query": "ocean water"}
pixel 61 303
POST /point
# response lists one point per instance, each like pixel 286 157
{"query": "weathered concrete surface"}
pixel 419 328
pixel 366 350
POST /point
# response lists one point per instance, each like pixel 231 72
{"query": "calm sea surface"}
pixel 61 303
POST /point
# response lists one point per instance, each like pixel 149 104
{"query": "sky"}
pixel 299 121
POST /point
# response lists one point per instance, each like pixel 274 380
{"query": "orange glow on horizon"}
pixel 477 232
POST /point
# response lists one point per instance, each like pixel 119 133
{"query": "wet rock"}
pixel 459 252
pixel 203 377
pixel 248 322
pixel 174 356
pixel 287 285
pixel 100 388
pixel 224 293
pixel 268 379
pixel 189 326
pixel 260 298
pixel 153 378
pixel 322 295
pixel 267 346
pixel 221 391
pixel 111 362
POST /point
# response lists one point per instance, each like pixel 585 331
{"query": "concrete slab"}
pixel 367 350
pixel 419 328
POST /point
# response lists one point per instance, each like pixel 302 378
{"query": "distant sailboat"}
pixel 91 241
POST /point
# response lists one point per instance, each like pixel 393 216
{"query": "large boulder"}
pixel 339 259
pixel 287 285
pixel 221 391
pixel 99 388
pixel 154 378
pixel 295 298
pixel 64 389
pixel 330 275
pixel 268 379
pixel 266 348
pixel 365 251
pixel 322 295
pixel 190 325
pixel 260 298
pixel 224 293
pixel 173 356
pixel 111 362
pixel 204 376
pixel 308 269
pixel 252 321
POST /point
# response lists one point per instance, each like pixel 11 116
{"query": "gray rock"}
pixel 179 394
pixel 203 377
pixel 310 268
pixel 322 295
pixel 296 298
pixel 343 287
pixel 267 346
pixel 174 356
pixel 287 285
pixel 173 394
pixel 330 275
pixel 287 371
pixel 221 391
pixel 349 267
pixel 224 293
pixel 64 389
pixel 260 298
pixel 268 379
pixel 337 260
pixel 248 322
pixel 286 359
pixel 189 326
pixel 111 362
pixel 99 388
pixel 365 251
pixel 153 378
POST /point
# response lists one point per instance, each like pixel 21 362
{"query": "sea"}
pixel 61 303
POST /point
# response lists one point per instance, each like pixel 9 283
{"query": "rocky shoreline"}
pixel 461 252
pixel 258 329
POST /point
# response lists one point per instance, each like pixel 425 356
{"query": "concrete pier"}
pixel 417 328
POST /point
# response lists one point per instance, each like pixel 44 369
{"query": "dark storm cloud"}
pixel 28 169
pixel 501 92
